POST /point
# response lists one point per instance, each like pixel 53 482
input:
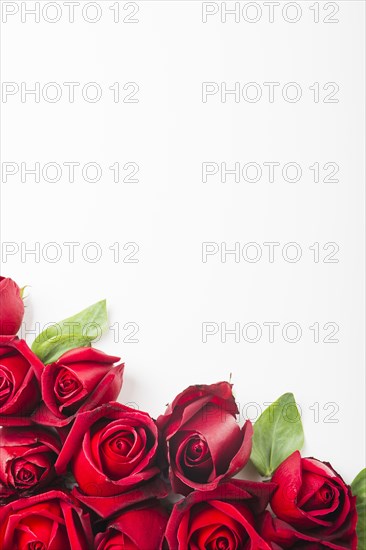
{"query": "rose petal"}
pixel 106 506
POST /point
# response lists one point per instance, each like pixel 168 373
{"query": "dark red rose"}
pixel 135 529
pixel 19 390
pixel 312 497
pixel 204 443
pixel 225 518
pixel 11 307
pixel 27 457
pixel 80 380
pixel 113 453
pixel 49 521
pixel 280 536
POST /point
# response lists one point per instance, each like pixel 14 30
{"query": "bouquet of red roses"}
pixel 80 471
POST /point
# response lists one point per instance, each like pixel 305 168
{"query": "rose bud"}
pixel 11 307
pixel 224 518
pixel 27 459
pixel 280 536
pixel 80 380
pixel 19 390
pixel 196 427
pixel 112 451
pixel 47 521
pixel 135 529
pixel 312 497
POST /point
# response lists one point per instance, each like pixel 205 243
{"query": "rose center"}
pixel 6 387
pixel 222 539
pixel 197 449
pixel 36 545
pixel 119 448
pixel 222 543
pixel 26 474
pixel 322 499
pixel 67 384
pixel 326 494
pixel 122 444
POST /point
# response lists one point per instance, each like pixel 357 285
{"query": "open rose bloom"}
pixel 112 452
pixel 197 426
pixel 80 380
pixel 226 518
pixel 315 503
pixel 48 521
pixel 27 458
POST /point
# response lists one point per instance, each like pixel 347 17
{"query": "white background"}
pixel 170 292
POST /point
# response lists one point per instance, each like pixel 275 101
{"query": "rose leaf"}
pixel 278 432
pixel 358 487
pixel 74 332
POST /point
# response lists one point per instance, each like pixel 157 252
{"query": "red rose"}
pixel 11 307
pixel 280 535
pixel 80 380
pixel 113 451
pixel 135 529
pixel 204 443
pixel 19 391
pixel 312 497
pixel 27 459
pixel 225 518
pixel 49 521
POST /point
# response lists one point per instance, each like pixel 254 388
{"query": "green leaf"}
pixel 358 487
pixel 278 433
pixel 74 332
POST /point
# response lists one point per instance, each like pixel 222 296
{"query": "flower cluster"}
pixel 80 471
